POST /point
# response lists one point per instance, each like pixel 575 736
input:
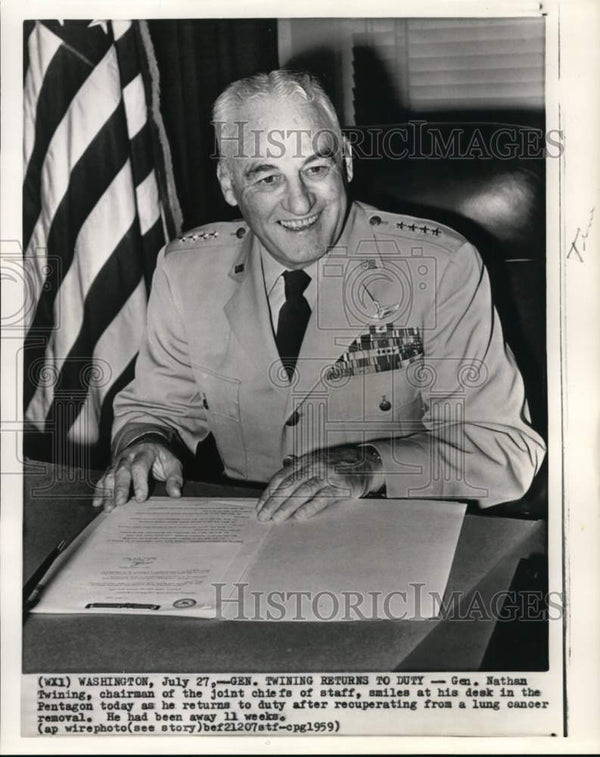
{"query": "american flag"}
pixel 92 221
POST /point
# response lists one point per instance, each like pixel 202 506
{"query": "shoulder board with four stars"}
pixel 224 233
pixel 409 227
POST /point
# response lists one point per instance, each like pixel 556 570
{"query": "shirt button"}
pixel 293 419
pixel 385 405
pixel 240 232
pixel 374 220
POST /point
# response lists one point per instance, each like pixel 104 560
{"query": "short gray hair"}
pixel 279 83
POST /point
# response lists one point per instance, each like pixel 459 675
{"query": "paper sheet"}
pixel 359 560
pixel 160 556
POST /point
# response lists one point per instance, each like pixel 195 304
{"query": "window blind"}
pixel 447 64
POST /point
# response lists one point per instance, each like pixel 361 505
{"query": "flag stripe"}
pixel 89 179
pixel 84 41
pixel 147 201
pixel 141 155
pixel 44 47
pixel 120 275
pixel 93 220
pixel 28 27
pixel 50 57
pixel 86 114
pixel 106 414
pixel 99 236
pixel 120 28
pixel 54 78
pixel 152 241
pixel 49 111
pixel 127 55
pixel 135 106
pixel 113 352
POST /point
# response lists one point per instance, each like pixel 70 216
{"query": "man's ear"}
pixel 226 181
pixel 347 158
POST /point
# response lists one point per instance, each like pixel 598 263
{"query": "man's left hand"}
pixel 317 480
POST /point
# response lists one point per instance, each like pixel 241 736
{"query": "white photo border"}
pixel 573 312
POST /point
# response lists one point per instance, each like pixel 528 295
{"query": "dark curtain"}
pixel 197 60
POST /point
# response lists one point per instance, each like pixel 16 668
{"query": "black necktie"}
pixel 293 318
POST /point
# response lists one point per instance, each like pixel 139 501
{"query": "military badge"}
pixel 382 348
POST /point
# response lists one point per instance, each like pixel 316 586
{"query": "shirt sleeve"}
pixel 163 398
pixel 477 441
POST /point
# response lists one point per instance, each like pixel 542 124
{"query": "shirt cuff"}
pixel 378 486
pixel 143 432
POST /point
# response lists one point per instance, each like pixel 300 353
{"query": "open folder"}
pixel 357 560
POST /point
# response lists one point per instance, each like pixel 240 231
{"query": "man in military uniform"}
pixel 333 350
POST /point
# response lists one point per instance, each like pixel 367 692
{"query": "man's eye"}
pixel 269 180
pixel 317 171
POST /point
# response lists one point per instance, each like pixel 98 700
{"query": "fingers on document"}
pixel 104 494
pixel 280 477
pixel 103 489
pixel 134 468
pixel 298 491
pixel 173 485
pixel 140 470
pixel 114 487
pixel 170 470
pixel 326 497
pixel 286 500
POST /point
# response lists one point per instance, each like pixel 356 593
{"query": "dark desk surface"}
pixel 58 505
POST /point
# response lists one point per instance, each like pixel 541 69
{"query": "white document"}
pixel 373 559
pixel 159 556
pixel 357 560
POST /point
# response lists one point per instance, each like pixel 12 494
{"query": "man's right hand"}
pixel 133 466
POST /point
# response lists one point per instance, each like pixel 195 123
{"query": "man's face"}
pixel 290 182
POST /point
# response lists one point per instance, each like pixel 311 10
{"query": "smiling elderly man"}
pixel 333 350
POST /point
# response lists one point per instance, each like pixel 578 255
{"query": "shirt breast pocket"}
pixel 384 399
pixel 221 400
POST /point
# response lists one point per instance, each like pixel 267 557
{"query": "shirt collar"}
pixel 273 269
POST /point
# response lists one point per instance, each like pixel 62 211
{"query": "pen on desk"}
pixel 38 574
pixel 121 606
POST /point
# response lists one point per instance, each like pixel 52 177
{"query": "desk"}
pixel 57 505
